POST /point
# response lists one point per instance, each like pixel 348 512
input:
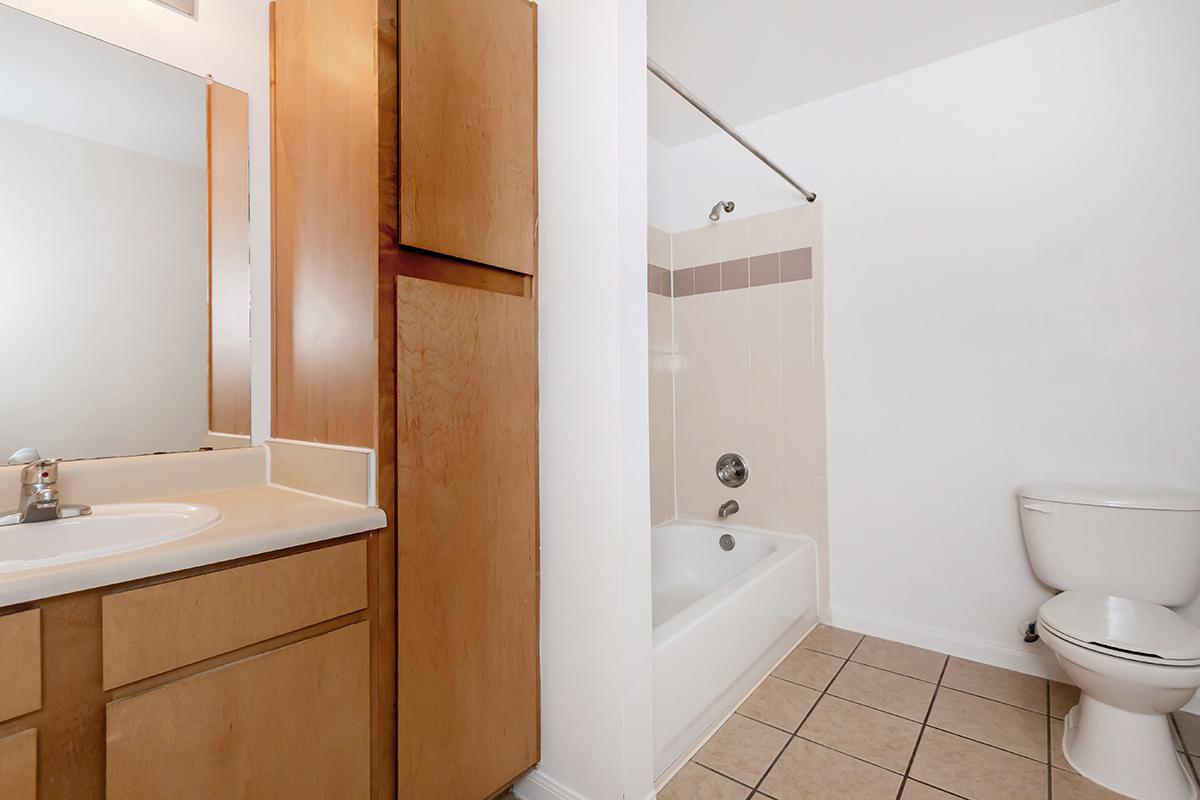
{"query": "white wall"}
pixel 229 40
pixel 659 184
pixel 104 317
pixel 1012 290
pixel 595 511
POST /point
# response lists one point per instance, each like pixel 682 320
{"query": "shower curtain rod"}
pixel 698 104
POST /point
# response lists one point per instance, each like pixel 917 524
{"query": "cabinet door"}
pixel 466 519
pixel 468 130
pixel 18 766
pixel 293 723
pixel 20 663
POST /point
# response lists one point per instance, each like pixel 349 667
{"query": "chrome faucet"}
pixel 727 508
pixel 39 492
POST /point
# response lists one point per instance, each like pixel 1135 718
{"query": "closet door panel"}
pixel 467 539
pixel 468 130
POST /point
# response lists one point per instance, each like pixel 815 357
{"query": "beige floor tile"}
pixel 976 771
pixel 694 782
pixel 834 641
pixel 1057 726
pixel 1062 697
pixel 886 691
pixel 919 791
pixel 808 771
pixel 808 668
pixel 780 703
pixel 742 749
pixel 1072 786
pixel 1175 737
pixel 912 661
pixel 1189 729
pixel 1195 762
pixel 1004 685
pixel 883 739
pixel 1004 726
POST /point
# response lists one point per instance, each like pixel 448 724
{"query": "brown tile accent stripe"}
pixel 764 270
pixel 795 265
pixel 735 274
pixel 684 282
pixel 708 278
pixel 658 280
pixel 791 265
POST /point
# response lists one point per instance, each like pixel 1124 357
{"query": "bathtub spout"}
pixel 727 508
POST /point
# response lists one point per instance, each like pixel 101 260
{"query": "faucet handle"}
pixel 25 455
pixel 42 471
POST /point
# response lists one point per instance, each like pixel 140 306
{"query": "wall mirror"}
pixel 124 247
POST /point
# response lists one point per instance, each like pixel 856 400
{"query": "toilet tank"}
pixel 1133 542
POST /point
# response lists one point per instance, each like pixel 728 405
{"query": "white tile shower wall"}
pixel 662 390
pixel 748 378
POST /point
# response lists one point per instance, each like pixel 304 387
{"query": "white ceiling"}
pixel 748 59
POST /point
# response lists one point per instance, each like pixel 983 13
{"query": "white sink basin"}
pixel 109 529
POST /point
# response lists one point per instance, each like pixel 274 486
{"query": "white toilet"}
pixel 1123 558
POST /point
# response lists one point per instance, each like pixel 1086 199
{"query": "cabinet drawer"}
pixel 20 663
pixel 158 628
pixel 18 766
pixel 291 723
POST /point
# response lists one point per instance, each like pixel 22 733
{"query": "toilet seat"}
pixel 1131 630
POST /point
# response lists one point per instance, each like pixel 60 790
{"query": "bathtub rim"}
pixel 789 545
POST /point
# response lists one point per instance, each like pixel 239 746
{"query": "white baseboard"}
pixel 537 785
pixel 1032 659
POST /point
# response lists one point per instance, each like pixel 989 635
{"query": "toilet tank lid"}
pixel 1085 494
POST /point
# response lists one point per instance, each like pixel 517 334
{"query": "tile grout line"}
pixel 1187 756
pixel 1001 702
pixel 934 683
pixel 844 700
pixel 921 733
pixel 938 686
pixel 891 671
pixel 946 792
pixel 792 738
pixel 1049 748
pixel 756 790
pixel 723 775
pixel 964 737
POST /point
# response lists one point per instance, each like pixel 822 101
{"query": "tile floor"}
pixel 848 716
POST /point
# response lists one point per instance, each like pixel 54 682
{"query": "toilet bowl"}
pixel 1123 558
pixel 1134 663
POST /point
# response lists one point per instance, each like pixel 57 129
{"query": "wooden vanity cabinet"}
pixel 289 723
pixel 246 680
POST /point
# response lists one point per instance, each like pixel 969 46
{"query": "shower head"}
pixel 724 205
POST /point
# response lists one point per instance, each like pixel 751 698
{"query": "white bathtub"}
pixel 721 620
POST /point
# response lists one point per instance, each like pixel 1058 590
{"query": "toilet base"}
pixel 1131 754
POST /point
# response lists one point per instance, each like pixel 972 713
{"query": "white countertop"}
pixel 257 519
